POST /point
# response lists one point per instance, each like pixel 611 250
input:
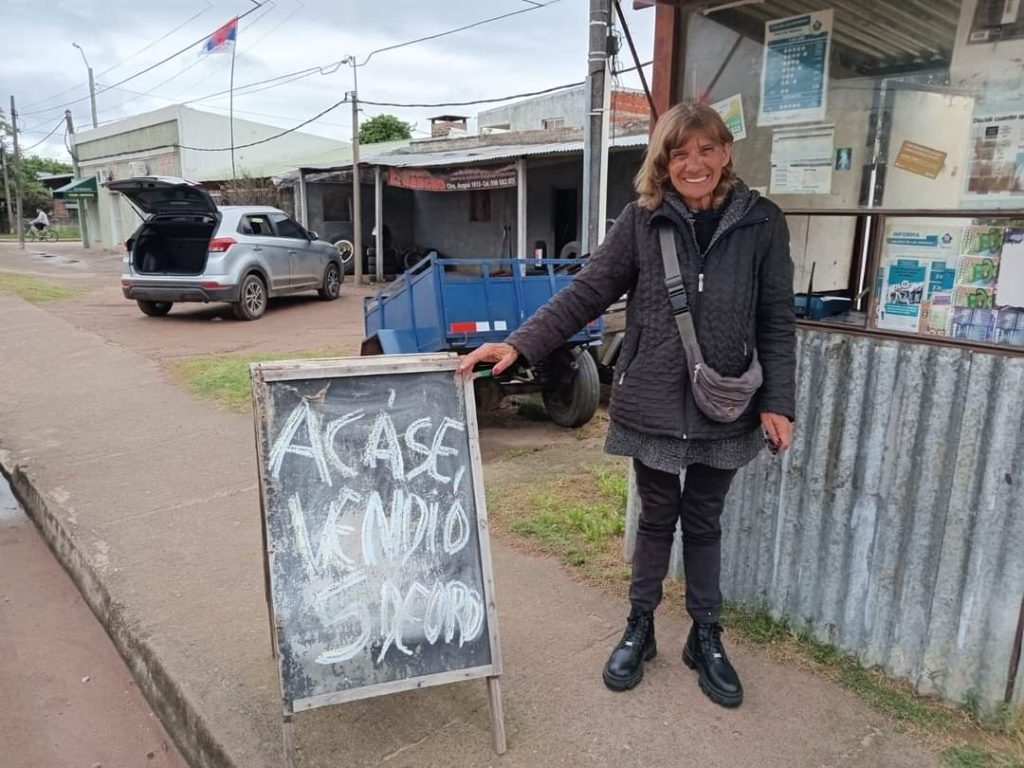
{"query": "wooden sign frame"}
pixel 262 374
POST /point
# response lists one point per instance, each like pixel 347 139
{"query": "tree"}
pixel 383 128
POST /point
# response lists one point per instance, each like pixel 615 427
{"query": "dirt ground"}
pixel 291 324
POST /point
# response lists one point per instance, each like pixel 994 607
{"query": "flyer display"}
pixel 794 69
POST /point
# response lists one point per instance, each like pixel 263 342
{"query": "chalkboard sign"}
pixel 375 530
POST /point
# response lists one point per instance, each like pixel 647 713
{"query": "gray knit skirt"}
pixel 670 454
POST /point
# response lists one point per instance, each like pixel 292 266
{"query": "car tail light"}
pixel 221 244
pixel 210 284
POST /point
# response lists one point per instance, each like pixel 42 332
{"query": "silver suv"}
pixel 188 249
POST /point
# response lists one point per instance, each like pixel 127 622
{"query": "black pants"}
pixel 699 508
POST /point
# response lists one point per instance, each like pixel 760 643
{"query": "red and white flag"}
pixel 223 40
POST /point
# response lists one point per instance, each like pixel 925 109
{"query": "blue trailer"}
pixel 459 304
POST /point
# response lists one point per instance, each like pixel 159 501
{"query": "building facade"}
pixel 177 141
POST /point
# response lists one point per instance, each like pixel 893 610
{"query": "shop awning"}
pixel 79 189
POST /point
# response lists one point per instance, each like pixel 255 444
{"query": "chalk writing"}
pixel 395 496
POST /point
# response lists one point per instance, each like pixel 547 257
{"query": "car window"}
pixel 287 227
pixel 255 224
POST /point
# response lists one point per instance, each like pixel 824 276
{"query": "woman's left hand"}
pixel 778 429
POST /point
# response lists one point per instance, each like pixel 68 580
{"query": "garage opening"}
pixel 173 245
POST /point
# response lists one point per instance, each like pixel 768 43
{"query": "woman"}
pixel 733 251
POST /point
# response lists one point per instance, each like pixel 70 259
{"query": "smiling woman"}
pixel 706 372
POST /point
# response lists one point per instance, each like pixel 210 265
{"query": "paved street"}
pixel 66 696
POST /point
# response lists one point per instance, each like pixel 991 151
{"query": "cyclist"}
pixel 41 221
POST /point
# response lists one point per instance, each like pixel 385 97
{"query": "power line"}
pixel 270 7
pixel 44 139
pixel 118 64
pixel 160 39
pixel 175 145
pixel 534 7
pixel 141 72
pixel 330 69
pixel 470 103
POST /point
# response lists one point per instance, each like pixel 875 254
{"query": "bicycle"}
pixel 47 234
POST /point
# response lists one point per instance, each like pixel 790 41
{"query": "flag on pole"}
pixel 223 40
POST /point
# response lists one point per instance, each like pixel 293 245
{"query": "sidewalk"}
pixel 150 500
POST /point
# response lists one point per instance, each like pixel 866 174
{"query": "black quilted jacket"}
pixel 746 303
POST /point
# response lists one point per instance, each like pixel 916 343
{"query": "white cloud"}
pixel 527 52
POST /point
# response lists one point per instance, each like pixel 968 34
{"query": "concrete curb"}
pixel 181 718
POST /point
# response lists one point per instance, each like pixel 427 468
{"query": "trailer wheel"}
pixel 575 401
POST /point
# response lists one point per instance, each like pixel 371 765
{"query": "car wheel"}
pixel 252 299
pixel 154 308
pixel 332 283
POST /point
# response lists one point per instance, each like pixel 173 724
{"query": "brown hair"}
pixel 672 130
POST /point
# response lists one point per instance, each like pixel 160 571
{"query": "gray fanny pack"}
pixel 720 398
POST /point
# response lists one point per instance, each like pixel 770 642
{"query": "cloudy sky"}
pixel 538 49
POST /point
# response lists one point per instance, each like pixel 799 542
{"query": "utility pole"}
pixel 92 84
pixel 357 199
pixel 17 177
pixel 83 210
pixel 7 186
pixel 595 130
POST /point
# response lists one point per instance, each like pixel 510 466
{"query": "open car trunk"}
pixel 172 244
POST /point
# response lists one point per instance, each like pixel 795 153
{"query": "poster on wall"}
pixel 731 111
pixel 794 69
pixel 802 161
pixel 995 171
pixel 917 275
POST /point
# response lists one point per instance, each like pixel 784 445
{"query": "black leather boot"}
pixel 705 653
pixel 625 667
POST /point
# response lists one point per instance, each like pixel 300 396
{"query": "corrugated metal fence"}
pixel 894 527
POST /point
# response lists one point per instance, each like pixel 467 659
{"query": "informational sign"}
pixel 464 179
pixel 995 170
pixel 802 161
pixel 731 111
pixel 918 268
pixel 794 69
pixel 377 552
pixel 919 159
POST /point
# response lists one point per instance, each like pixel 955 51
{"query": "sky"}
pixel 533 50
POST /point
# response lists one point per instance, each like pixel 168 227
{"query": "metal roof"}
pixel 870 36
pixel 472 155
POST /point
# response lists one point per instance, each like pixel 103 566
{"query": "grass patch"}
pixel 37 290
pixel 976 757
pixel 882 693
pixel 531 408
pixel 580 518
pixel 224 379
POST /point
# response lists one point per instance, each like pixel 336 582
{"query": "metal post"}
pixel 302 203
pixel 357 202
pixel 378 217
pixel 521 249
pixel 594 134
pixel 231 112
pixel 83 211
pixel 92 98
pixel 17 177
pixel 7 186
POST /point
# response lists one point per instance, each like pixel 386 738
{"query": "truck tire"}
pixel 154 308
pixel 575 402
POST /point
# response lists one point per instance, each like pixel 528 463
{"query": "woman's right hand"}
pixel 502 355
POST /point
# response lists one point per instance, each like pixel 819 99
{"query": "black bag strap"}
pixel 677 294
